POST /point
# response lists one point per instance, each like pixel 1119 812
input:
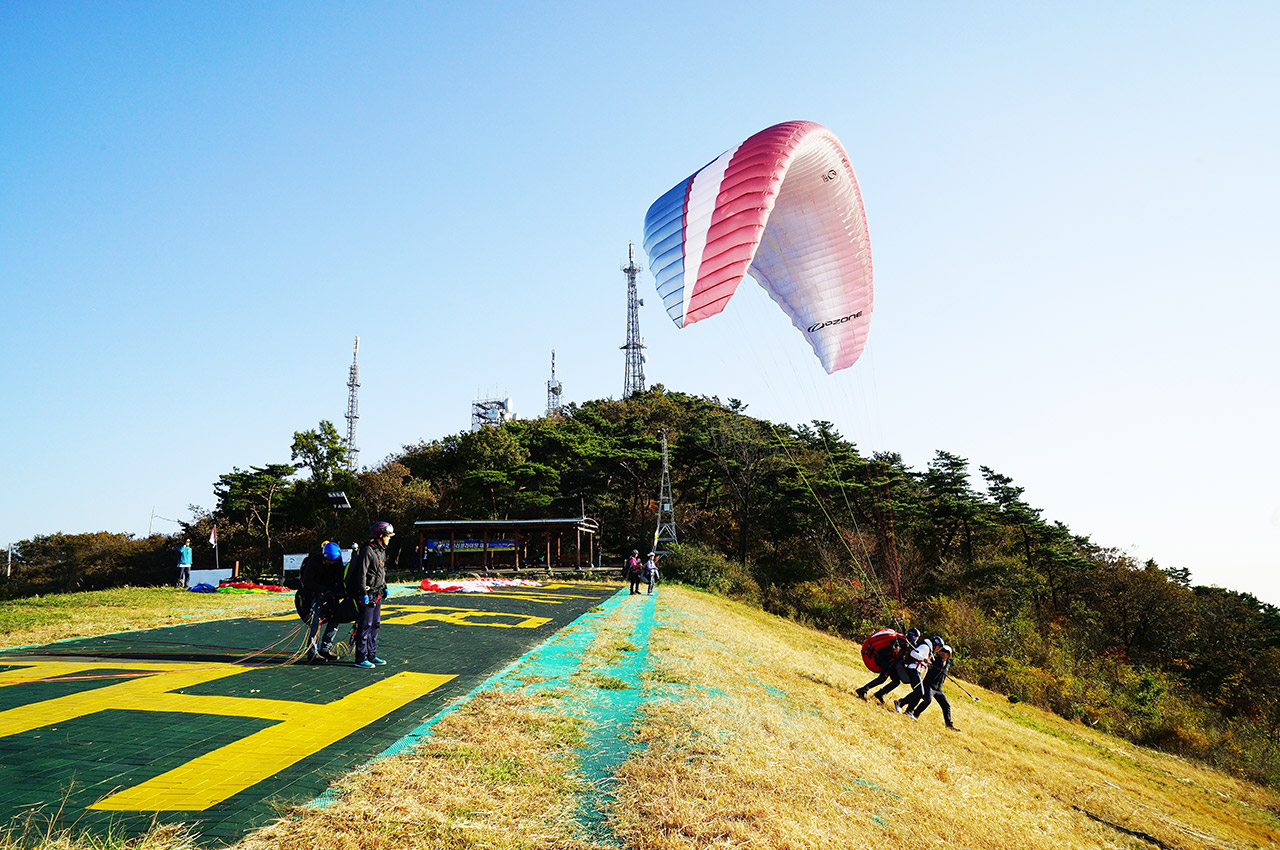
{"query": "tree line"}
pixel 801 522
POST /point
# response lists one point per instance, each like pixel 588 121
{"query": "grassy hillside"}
pixel 751 737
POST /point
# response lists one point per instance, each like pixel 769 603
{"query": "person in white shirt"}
pixel 910 668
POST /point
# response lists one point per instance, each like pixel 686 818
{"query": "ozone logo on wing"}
pixel 817 326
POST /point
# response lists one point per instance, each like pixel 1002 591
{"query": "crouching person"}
pixel 367 585
pixel 322 579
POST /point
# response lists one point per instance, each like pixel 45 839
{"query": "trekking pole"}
pixel 966 690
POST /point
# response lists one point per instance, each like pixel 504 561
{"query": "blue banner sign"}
pixel 434 546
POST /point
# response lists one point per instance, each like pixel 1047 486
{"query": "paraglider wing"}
pixel 784 207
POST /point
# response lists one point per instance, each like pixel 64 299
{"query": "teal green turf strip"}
pixel 406 743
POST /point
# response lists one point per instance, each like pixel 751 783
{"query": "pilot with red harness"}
pixel 881 652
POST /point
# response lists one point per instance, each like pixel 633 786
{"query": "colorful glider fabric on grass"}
pixel 784 207
pixel 475 585
pixel 250 587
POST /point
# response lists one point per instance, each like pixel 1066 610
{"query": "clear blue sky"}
pixel 1072 208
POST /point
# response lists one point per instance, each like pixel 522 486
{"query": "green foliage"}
pixel 798 521
pixel 61 563
pixel 703 567
pixel 837 606
pixel 323 451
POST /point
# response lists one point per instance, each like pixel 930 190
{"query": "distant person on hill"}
pixel 366 582
pixel 631 571
pixel 184 564
pixel 321 576
pixel 931 689
pixel 910 668
pixel 651 571
pixel 888 659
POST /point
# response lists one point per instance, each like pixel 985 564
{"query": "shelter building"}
pixel 507 544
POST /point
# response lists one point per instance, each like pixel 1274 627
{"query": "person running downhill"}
pixel 367 585
pixel 931 690
pixel 910 668
pixel 888 661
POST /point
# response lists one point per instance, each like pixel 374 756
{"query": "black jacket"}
pixel 319 575
pixel 937 675
pixel 367 572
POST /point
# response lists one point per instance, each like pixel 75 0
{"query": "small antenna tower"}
pixel 353 408
pixel 633 381
pixel 554 389
pixel 666 532
pixel 491 412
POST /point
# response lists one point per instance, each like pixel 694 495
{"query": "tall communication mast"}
pixel 353 408
pixel 554 389
pixel 666 532
pixel 633 381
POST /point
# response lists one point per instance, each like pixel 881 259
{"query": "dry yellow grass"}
pixel 40 620
pixel 768 747
pixel 495 774
pixel 35 832
pixel 751 736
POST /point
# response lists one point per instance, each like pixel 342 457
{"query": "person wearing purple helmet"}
pixel 367 585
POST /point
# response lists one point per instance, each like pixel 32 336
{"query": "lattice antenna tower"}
pixel 554 389
pixel 633 380
pixel 666 533
pixel 353 408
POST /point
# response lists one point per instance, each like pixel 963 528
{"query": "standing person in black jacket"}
pixel 917 702
pixel 367 585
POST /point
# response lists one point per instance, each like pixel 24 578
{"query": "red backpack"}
pixel 877 651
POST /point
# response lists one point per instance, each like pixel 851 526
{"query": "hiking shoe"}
pixel 879 698
pixel 861 693
pixel 378 661
pixel 364 665
pixel 328 656
pixel 316 659
pixel 953 728
pixel 897 706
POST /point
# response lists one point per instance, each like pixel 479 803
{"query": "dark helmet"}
pixel 331 551
pixel 380 528
pixel 913 634
pixel 937 641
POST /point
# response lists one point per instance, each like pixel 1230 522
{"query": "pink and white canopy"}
pixel 783 207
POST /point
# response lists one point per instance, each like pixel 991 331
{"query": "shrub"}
pixel 834 606
pixel 704 567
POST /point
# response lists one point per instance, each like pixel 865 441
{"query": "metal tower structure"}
pixel 490 412
pixel 554 389
pixel 353 408
pixel 666 532
pixel 633 380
